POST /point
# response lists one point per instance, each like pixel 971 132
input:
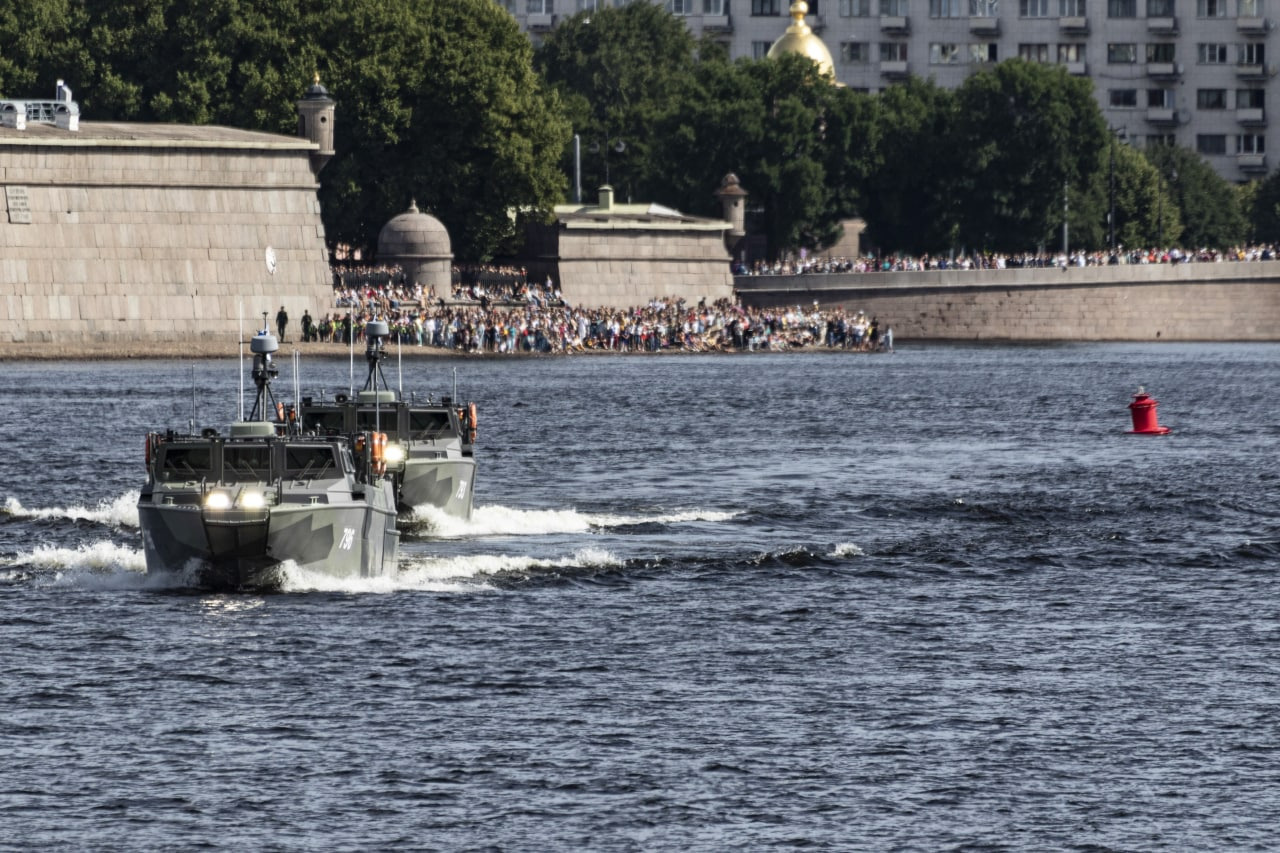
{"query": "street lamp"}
pixel 1116 133
pixel 618 146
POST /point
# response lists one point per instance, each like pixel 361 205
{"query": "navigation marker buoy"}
pixel 1145 420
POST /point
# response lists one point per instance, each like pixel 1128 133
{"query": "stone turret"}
pixel 733 203
pixel 419 243
pixel 315 123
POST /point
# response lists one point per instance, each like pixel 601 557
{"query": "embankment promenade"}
pixel 1224 301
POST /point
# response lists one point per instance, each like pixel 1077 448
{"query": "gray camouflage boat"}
pixel 233 508
pixel 430 445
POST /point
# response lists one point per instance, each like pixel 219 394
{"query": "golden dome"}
pixel 799 38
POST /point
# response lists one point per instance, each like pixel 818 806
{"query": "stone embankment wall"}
pixel 147 233
pixel 621 268
pixel 1185 302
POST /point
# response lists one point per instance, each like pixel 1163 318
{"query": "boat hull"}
pixel 447 484
pixel 244 549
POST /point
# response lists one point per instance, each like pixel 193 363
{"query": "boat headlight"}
pixel 217 500
pixel 394 454
pixel 252 500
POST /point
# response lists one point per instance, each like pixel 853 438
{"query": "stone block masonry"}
pixel 155 233
pixel 1226 301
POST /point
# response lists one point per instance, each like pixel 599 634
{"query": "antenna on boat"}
pixel 263 346
pixel 240 337
pixel 191 424
pixel 455 383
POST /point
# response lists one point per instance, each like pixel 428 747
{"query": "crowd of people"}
pixel 909 263
pixel 661 325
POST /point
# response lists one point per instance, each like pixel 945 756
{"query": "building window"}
pixel 1211 54
pixel 1160 98
pixel 1070 53
pixel 1211 9
pixel 760 49
pixel 1160 52
pixel 984 8
pixel 1157 139
pixel 1253 53
pixel 715 8
pixel 1250 8
pixel 1251 99
pixel 1122 54
pixel 1211 143
pixel 855 8
pixel 1251 143
pixel 1122 98
pixel 1033 8
pixel 766 7
pixel 944 54
pixel 853 52
pixel 1034 52
pixel 1211 99
pixel 947 8
pixel 540 7
pixel 588 5
pixel 1122 8
pixel 1071 9
pixel 1159 8
pixel 893 51
pixel 893 8
pixel 983 53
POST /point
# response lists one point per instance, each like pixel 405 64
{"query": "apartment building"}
pixel 1195 73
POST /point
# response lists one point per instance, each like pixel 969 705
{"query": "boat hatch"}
pixel 368 420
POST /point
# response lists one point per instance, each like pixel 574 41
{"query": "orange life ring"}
pixel 150 439
pixel 471 423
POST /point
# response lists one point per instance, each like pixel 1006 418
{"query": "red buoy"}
pixel 1145 421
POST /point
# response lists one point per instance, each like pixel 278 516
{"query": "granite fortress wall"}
pixel 124 233
pixel 1183 302
pixel 623 268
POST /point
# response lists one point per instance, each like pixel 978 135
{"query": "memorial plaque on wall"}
pixel 19 205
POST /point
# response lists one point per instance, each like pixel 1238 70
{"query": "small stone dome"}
pixel 414 235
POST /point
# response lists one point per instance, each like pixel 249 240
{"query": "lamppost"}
pixel 1116 133
pixel 618 146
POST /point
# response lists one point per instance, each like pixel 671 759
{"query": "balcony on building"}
pixel 985 26
pixel 1254 71
pixel 1250 115
pixel 540 23
pixel 1164 70
pixel 1252 162
pixel 1074 24
pixel 816 23
pixel 1252 24
pixel 1163 26
pixel 1078 69
pixel 716 24
pixel 894 68
pixel 895 24
pixel 1162 115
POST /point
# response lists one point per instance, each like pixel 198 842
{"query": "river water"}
pixel 935 599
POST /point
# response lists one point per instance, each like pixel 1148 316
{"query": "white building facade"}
pixel 1195 73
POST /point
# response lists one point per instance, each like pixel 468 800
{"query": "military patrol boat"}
pixel 430 446
pixel 233 508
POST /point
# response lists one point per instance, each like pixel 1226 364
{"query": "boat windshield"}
pixel 309 462
pixel 369 419
pixel 187 463
pixel 246 463
pixel 324 422
pixel 428 423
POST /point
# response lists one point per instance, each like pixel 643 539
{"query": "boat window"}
pixel 325 423
pixel 187 463
pixel 241 464
pixel 428 423
pixel 302 462
pixel 365 420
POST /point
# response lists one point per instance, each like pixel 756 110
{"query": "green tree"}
pixel 1024 131
pixel 1208 205
pixel 911 198
pixel 619 70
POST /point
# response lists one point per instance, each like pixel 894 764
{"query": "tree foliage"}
pixel 437 101
pixel 1209 206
